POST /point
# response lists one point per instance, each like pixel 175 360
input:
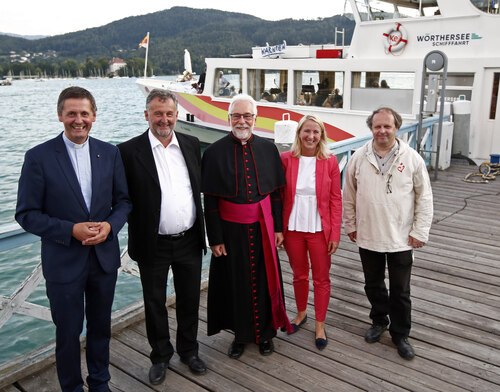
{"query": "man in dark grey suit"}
pixel 73 194
pixel 166 229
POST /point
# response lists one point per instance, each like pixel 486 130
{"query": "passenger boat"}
pixel 6 81
pixel 344 84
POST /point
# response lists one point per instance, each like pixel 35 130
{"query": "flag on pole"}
pixel 145 44
pixel 145 41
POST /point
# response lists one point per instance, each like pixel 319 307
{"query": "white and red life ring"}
pixel 395 39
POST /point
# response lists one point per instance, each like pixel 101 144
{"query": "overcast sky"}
pixel 35 17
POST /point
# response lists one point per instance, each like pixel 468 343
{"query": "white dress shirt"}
pixel 178 211
pixel 79 154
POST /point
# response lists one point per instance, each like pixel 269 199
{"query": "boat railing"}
pixel 12 236
pixel 408 132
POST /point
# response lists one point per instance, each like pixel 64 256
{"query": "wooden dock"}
pixel 456 321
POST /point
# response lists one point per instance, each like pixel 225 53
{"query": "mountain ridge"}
pixel 204 32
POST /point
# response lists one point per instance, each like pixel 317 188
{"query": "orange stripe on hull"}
pixel 214 112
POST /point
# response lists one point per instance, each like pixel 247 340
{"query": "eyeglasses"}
pixel 388 183
pixel 237 116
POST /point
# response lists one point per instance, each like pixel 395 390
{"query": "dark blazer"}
pixel 50 202
pixel 145 192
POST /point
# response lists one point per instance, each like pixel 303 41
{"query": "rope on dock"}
pixel 487 172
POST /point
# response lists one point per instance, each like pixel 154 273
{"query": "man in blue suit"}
pixel 73 194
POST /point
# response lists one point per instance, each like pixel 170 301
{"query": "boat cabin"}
pixel 382 66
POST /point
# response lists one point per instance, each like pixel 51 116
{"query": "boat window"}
pixel 488 6
pixel 227 82
pixel 395 80
pixel 494 97
pixel 373 89
pixel 380 10
pixel 319 88
pixel 459 87
pixel 268 85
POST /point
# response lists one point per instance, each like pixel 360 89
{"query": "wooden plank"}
pixel 9 388
pixel 355 357
pixel 474 366
pixel 123 381
pixel 128 360
pixel 285 372
pixel 42 381
pixel 455 331
pixel 421 278
pixel 428 303
pixel 26 365
pixel 223 371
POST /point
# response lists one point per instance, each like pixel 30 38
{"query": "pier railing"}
pixel 13 236
pixel 408 132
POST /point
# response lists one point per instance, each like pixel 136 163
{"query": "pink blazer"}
pixel 328 193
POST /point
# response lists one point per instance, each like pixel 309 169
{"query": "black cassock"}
pixel 238 297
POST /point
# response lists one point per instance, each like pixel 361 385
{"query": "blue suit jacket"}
pixel 50 202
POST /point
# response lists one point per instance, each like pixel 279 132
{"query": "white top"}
pixel 178 211
pixel 305 215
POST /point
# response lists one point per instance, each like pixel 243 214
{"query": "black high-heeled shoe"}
pixel 296 327
pixel 321 343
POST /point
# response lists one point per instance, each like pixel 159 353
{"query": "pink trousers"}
pixel 302 247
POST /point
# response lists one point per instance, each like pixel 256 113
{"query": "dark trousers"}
pixel 91 296
pixel 183 255
pixel 394 305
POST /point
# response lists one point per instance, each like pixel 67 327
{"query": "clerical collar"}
pixel 73 145
pixel 239 141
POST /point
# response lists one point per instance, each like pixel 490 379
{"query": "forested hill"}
pixel 204 32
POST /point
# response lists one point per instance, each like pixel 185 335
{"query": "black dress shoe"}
pixel 321 343
pixel 196 365
pixel 157 373
pixel 236 350
pixel 374 333
pixel 405 350
pixel 266 347
pixel 296 327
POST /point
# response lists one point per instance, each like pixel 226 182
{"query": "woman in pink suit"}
pixel 312 214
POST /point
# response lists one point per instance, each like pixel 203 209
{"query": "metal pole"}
pixel 146 58
pixel 421 108
pixel 434 61
pixel 441 114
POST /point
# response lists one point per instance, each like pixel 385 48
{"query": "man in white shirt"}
pixel 166 229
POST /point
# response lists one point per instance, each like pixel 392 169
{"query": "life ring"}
pixel 395 39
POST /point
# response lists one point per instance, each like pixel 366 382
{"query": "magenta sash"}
pixel 261 212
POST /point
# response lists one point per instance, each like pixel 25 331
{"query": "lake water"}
pixel 28 116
